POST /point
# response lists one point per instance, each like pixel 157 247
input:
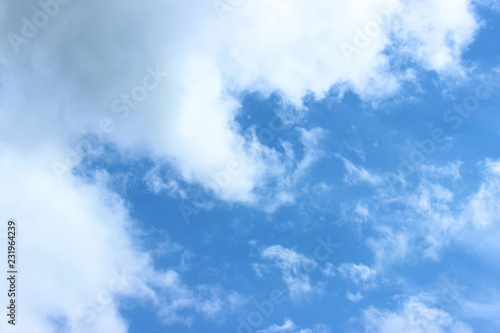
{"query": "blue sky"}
pixel 265 166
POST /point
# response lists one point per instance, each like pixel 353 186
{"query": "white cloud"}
pixel 432 207
pixel 362 211
pixel 357 174
pixel 451 170
pixel 292 169
pixel 287 326
pixel 175 298
pixel 424 218
pixel 483 208
pixel 389 246
pixel 158 182
pixel 434 33
pixel 354 297
pixel 188 119
pixel 294 267
pixel 358 273
pixel 413 316
pixel 70 235
pixel 329 270
pixel 481 212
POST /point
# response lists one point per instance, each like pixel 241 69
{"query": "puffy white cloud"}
pixel 188 114
pixel 434 33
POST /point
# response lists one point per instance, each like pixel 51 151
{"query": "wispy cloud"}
pixel 357 174
pixel 294 267
pixel 412 316
pixel 360 274
pixel 289 326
